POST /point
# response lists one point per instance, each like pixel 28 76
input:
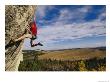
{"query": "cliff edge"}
pixel 17 18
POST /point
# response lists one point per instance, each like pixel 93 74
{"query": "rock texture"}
pixel 17 17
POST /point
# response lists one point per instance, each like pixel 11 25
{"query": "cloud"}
pixel 42 10
pixel 80 45
pixel 68 15
pixel 73 31
pixel 60 29
pixel 77 13
pixel 102 16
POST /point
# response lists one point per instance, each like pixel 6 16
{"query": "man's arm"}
pixel 28 28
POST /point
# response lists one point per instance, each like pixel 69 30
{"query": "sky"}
pixel 69 26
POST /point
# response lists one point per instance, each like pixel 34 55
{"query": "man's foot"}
pixel 32 45
pixel 40 44
pixel 37 44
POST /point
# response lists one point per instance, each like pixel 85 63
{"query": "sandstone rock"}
pixel 17 18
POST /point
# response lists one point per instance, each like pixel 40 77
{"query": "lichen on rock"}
pixel 17 18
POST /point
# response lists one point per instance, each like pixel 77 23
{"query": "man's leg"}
pixel 39 44
pixel 32 44
pixel 23 37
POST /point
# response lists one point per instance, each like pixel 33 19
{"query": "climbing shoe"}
pixel 37 44
pixel 40 44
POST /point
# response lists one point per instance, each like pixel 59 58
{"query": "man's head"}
pixel 31 24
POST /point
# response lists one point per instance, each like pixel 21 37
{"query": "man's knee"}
pixel 28 35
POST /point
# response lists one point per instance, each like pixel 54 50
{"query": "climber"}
pixel 32 34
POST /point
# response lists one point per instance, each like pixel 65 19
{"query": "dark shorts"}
pixel 33 37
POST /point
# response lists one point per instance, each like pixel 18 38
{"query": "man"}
pixel 32 34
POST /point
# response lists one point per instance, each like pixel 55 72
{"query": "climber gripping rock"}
pixel 30 32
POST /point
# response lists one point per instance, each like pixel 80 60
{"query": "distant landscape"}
pixel 79 59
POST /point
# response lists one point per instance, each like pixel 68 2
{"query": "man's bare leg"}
pixel 23 37
pixel 28 36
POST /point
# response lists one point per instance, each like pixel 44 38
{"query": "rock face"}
pixel 17 18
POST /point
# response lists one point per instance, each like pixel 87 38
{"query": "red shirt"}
pixel 33 28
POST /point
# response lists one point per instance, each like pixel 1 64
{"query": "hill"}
pixel 80 59
pixel 74 54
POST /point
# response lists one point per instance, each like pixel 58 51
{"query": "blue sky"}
pixel 70 26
